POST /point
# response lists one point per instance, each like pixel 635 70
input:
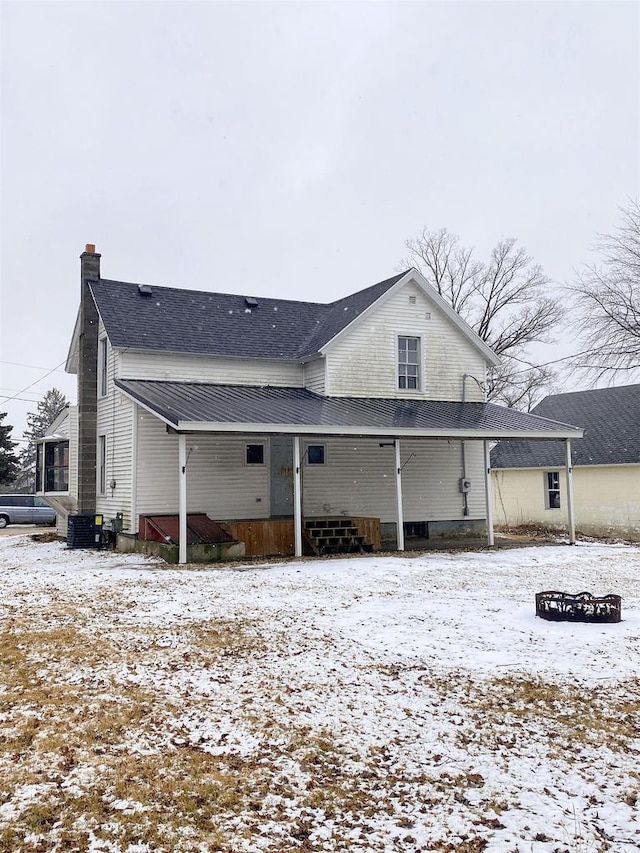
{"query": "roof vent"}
pixel 250 302
pixel 145 290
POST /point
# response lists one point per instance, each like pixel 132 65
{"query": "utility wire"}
pixel 31 366
pixel 22 391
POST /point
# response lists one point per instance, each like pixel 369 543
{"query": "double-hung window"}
pixel 102 464
pixel 102 367
pixel 552 489
pixel 409 363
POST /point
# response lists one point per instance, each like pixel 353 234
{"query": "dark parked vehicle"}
pixel 25 509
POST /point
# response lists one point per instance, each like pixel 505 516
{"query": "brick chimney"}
pixel 88 383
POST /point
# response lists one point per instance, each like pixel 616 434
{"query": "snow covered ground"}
pixel 376 703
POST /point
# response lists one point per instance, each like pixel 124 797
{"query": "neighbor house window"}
pixel 102 464
pixel 408 363
pixel 254 454
pixel 552 489
pixel 52 467
pixel 102 367
pixel 316 454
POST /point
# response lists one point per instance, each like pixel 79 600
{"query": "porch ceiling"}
pixel 199 407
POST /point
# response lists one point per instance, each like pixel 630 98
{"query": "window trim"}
pixel 307 460
pixel 103 367
pixel 420 382
pixel 550 489
pixel 263 445
pixel 102 465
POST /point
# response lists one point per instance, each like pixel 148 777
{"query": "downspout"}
pixel 465 500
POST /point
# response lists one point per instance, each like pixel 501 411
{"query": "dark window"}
pixel 408 363
pixel 552 491
pixel 255 454
pixel 315 454
pixel 102 464
pixel 102 367
pixel 56 467
pixel 7 500
pixel 415 529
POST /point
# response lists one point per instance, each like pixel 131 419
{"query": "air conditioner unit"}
pixel 465 485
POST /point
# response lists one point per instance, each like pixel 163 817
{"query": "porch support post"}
pixel 400 515
pixel 570 515
pixel 297 497
pixel 487 494
pixel 182 497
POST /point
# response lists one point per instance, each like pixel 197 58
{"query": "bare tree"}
pixel 505 300
pixel 608 301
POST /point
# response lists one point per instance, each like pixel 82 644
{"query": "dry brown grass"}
pixel 105 751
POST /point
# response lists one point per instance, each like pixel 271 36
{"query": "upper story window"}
pixel 409 363
pixel 102 367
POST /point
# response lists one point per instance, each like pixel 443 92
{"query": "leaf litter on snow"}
pixel 367 704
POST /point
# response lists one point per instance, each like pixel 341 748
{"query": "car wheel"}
pixel 3 521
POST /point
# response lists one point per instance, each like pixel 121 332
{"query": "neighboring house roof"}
pixel 611 421
pixel 194 406
pixel 222 324
pixel 167 319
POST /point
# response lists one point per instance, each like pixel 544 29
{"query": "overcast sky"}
pixel 289 149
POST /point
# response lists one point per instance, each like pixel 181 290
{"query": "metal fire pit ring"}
pixel 582 607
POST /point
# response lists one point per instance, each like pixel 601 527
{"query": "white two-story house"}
pixel 298 426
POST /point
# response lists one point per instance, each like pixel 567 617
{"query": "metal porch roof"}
pixel 199 407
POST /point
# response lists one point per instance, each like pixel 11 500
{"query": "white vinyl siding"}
pixel 115 421
pixel 363 361
pixel 358 477
pixel 218 481
pixel 225 371
pixel 314 375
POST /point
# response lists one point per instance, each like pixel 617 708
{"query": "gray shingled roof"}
pixel 223 324
pixel 188 404
pixel 611 421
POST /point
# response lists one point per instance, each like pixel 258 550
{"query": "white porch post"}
pixel 570 517
pixel 487 493
pixel 182 497
pixel 297 497
pixel 400 515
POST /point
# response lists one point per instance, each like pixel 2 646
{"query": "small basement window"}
pixel 552 489
pixel 254 454
pixel 316 454
pixel 415 529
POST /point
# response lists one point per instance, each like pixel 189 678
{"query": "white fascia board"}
pixel 71 365
pixel 455 318
pixel 433 296
pixel 373 432
pixel 359 319
pixel 59 420
pixel 147 408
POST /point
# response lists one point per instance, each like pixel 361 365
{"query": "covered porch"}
pixel 303 424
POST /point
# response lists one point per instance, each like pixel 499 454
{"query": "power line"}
pixel 22 391
pixel 32 366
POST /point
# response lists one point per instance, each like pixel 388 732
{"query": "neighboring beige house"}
pixel 296 425
pixel 528 477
